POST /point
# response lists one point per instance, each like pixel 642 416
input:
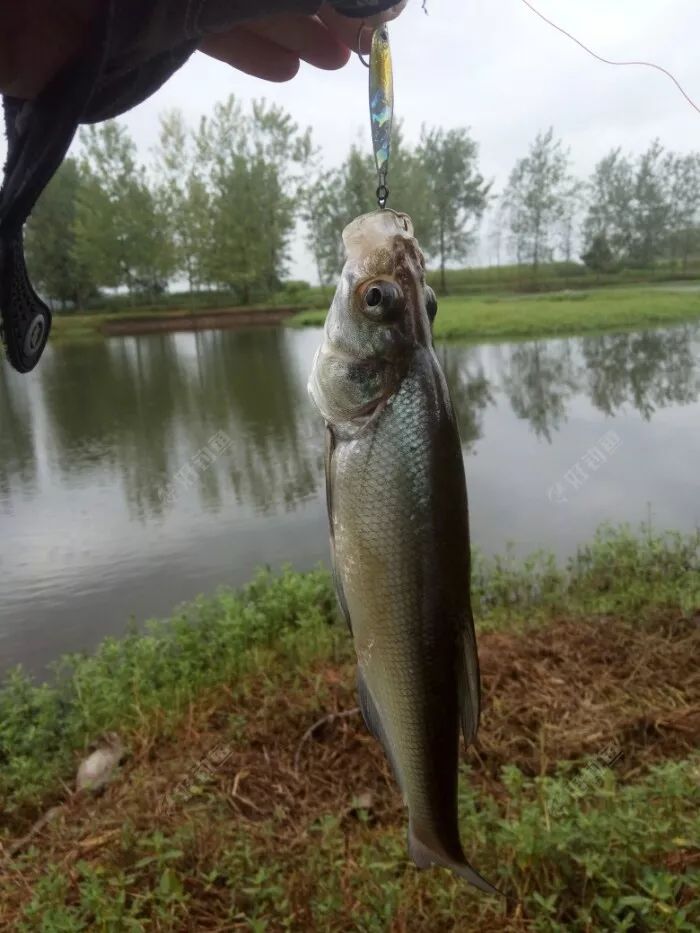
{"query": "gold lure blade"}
pixel 381 106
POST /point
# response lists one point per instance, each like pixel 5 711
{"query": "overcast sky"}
pixel 494 66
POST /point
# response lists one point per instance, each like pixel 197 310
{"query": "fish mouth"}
pixel 371 232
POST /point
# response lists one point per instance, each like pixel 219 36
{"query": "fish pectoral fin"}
pixel 373 721
pixel 469 684
pixel 424 857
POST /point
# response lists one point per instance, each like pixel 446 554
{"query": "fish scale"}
pixel 381 548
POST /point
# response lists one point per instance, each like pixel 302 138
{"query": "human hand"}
pixel 273 48
pixel 37 37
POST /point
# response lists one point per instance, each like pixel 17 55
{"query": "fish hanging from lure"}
pixel 397 507
pixel 381 107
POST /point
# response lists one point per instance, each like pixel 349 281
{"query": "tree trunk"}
pixel 443 278
pixel 536 245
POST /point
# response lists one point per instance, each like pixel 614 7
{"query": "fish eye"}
pixel 373 297
pixel 431 303
pixel 381 300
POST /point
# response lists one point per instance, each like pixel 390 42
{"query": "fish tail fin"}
pixel 424 857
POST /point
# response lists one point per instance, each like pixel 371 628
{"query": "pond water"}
pixel 136 473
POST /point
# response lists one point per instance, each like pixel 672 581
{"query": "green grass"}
pixel 554 276
pixel 601 865
pixel 483 303
pixel 257 666
pixel 551 315
pixel 77 327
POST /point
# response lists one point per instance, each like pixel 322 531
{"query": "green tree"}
pixel 683 181
pixel 323 216
pixel 636 205
pixel 251 166
pixel 599 257
pixel 537 198
pixel 51 240
pixel 610 197
pixel 121 232
pixel 650 207
pixel 572 201
pixel 452 194
pixel 330 202
pixel 183 198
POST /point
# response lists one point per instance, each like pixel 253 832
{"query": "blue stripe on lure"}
pixel 381 106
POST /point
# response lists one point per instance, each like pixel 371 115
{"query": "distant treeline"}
pixel 217 206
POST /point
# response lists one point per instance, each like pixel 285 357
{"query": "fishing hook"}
pixel 359 47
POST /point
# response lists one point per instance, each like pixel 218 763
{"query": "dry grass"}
pixel 554 693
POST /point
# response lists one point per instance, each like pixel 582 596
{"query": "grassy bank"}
pixel 306 831
pixel 552 315
pixel 491 303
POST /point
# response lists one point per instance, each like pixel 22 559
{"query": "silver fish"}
pixel 397 506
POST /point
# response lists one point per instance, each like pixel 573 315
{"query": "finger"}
pixel 306 36
pixel 353 33
pixel 245 50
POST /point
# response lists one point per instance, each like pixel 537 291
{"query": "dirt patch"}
pixel 564 692
pixel 567 691
pixel 221 319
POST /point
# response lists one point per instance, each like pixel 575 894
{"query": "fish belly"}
pixel 402 559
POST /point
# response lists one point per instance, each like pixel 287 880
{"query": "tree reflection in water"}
pixel 129 413
pixel 647 370
pixel 539 379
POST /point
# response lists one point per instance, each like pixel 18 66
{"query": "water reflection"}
pixel 136 409
pixel 539 379
pixel 269 406
pixel 471 390
pixel 133 411
pixel 89 441
pixel 18 457
pixel 646 370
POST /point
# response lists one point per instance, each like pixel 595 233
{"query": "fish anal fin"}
pixel 468 680
pixel 373 721
pixel 424 856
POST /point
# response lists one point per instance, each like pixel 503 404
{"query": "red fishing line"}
pixel 608 61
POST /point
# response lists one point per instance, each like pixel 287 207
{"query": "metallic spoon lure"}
pixel 381 107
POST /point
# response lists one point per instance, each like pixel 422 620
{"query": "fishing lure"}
pixel 381 107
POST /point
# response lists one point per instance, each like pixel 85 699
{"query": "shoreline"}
pixel 67 328
pixel 484 318
pixel 219 319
